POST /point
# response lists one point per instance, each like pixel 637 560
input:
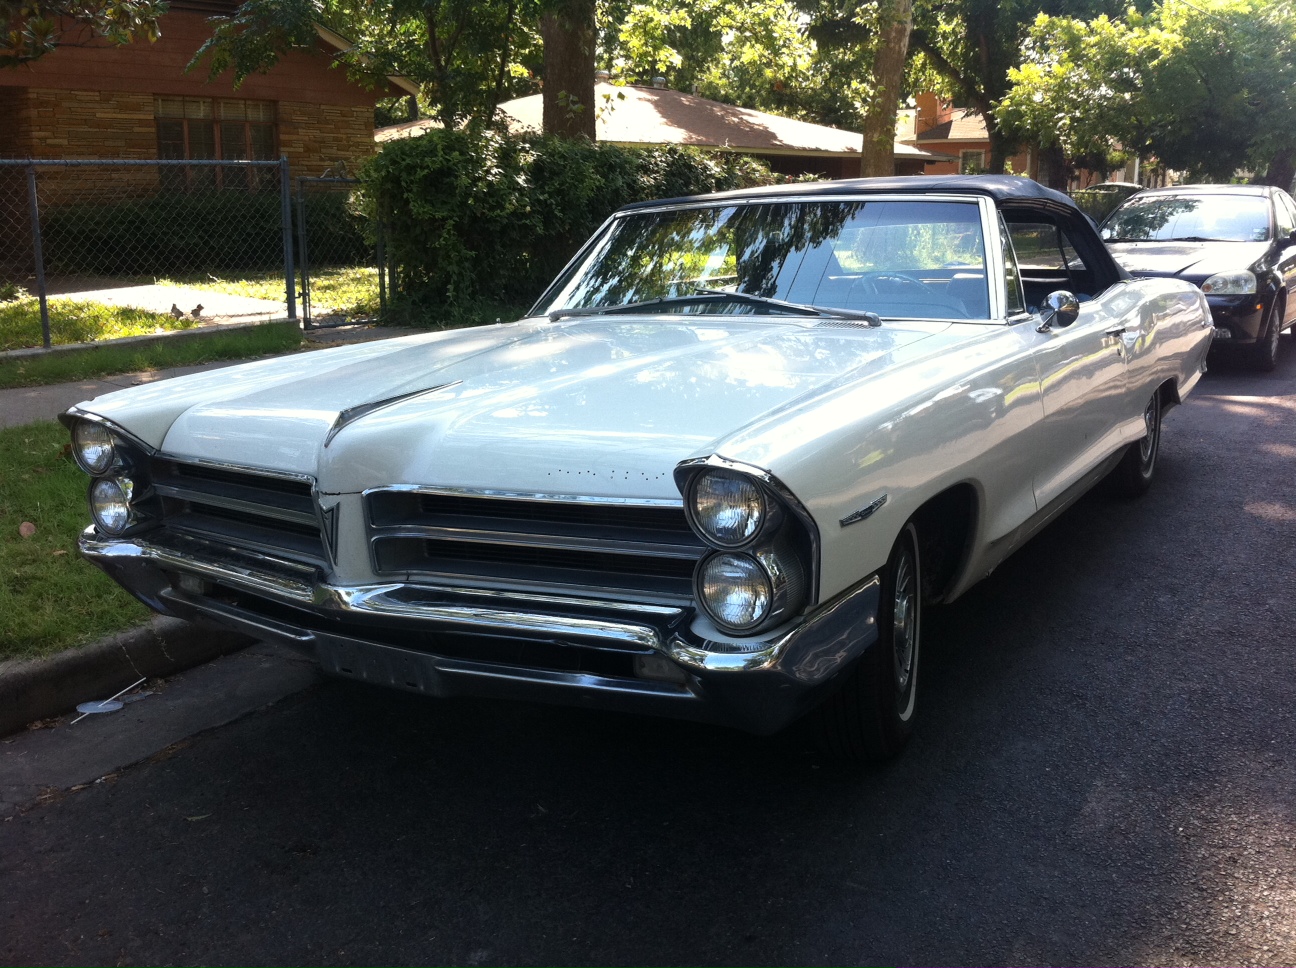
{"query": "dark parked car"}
pixel 1236 242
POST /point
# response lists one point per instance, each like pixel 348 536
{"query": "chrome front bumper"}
pixel 358 632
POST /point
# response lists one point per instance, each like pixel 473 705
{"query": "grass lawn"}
pixel 240 344
pixel 77 322
pixel 349 292
pixel 50 599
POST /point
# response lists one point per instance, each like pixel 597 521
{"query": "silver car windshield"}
pixel 899 259
pixel 1189 218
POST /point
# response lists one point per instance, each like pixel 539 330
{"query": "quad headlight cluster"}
pixel 117 499
pixel 757 573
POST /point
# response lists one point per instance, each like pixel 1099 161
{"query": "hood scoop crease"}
pixel 351 414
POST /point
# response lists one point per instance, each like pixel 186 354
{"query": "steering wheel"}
pixel 903 294
pixel 868 283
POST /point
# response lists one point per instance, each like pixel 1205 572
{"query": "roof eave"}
pixel 337 41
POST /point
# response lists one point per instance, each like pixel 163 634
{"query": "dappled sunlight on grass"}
pixel 346 291
pixel 50 598
pixel 72 321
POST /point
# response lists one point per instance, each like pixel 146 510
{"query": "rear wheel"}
pixel 870 717
pixel 1133 475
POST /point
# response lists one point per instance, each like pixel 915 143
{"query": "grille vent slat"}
pixel 636 548
pixel 275 515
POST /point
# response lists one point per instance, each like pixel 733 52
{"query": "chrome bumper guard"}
pixel 759 685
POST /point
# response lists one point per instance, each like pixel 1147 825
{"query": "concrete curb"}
pixel 39 688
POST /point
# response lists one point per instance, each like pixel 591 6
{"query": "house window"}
pixel 971 162
pixel 208 129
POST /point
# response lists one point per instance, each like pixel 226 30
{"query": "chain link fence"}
pixel 94 249
pixel 339 253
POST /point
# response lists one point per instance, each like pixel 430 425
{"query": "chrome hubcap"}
pixel 1147 446
pixel 903 623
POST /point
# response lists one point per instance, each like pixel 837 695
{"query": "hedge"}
pixel 476 216
pixel 218 232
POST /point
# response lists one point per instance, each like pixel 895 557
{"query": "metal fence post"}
pixel 33 207
pixel 303 252
pixel 285 205
pixel 382 269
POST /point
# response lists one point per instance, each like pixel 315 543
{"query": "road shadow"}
pixel 1104 773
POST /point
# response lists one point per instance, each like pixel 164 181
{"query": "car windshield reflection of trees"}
pixel 897 258
pixel 1190 218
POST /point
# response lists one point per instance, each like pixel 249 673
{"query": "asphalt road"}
pixel 1105 773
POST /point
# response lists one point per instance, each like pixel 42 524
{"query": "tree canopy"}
pixel 1207 88
pixel 30 29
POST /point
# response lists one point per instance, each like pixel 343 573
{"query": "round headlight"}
pixel 1230 283
pixel 729 509
pixel 93 447
pixel 110 504
pixel 735 591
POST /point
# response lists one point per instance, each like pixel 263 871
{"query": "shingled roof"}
pixel 653 116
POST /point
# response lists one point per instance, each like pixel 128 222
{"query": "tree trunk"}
pixel 878 156
pixel 1053 168
pixel 999 146
pixel 1280 172
pixel 567 30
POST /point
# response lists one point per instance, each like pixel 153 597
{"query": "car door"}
pixel 1082 367
pixel 1285 256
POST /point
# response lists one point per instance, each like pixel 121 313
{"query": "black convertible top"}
pixel 1002 188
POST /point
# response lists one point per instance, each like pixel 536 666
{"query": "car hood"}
pixel 602 406
pixel 1186 258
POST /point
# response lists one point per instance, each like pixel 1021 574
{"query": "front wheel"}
pixel 1133 475
pixel 1265 352
pixel 870 717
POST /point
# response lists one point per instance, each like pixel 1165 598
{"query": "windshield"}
pixel 899 259
pixel 1190 218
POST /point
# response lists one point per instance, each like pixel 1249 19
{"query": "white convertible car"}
pixel 717 473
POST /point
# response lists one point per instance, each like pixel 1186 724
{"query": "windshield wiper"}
pixel 1197 238
pixel 704 295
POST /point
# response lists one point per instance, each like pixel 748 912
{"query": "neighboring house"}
pixel 959 134
pixel 137 102
pixel 658 116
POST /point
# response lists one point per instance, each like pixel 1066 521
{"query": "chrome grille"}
pixel 261 512
pixel 642 548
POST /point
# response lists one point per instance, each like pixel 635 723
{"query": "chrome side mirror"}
pixel 1060 309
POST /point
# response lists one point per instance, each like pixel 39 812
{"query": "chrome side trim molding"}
pixel 863 513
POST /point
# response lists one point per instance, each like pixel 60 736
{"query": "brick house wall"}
pixel 98 102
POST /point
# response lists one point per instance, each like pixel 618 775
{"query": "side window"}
pixel 1048 261
pixel 1016 302
pixel 1285 214
pixel 1043 249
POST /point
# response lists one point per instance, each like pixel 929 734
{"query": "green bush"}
pixel 478 216
pixel 217 232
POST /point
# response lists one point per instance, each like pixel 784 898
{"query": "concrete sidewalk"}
pixel 44 688
pixel 22 405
